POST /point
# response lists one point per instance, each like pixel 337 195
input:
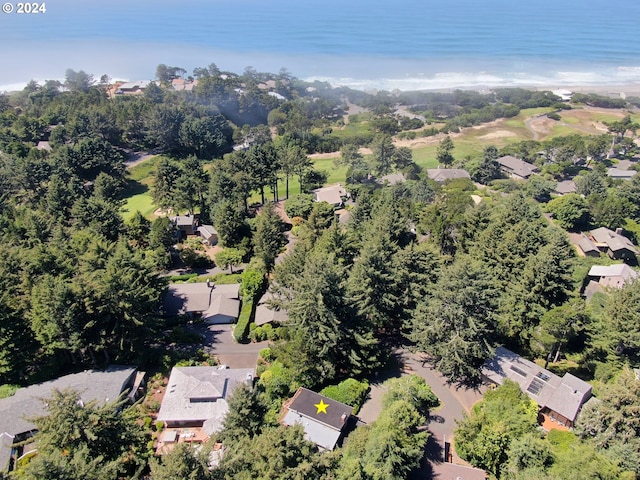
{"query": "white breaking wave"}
pixel 479 80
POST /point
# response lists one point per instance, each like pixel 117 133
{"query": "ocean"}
pixel 405 44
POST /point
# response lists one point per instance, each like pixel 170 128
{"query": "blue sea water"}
pixel 365 44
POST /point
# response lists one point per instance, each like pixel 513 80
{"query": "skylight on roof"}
pixel 535 387
pixel 519 371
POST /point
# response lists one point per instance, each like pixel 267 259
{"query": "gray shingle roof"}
pixel 184 298
pixel 101 386
pixel 613 240
pixel 392 179
pixel 613 275
pixel 443 174
pixel 200 394
pixel 332 194
pixel 266 314
pixel 516 166
pixel 562 395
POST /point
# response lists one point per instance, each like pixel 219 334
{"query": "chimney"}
pixel 619 231
pixel 343 417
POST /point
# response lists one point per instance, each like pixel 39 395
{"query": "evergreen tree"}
pixel 444 154
pixel 86 436
pixel 269 237
pixel 455 324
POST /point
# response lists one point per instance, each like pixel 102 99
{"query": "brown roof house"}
pixel 516 168
pixel 196 399
pixel 441 175
pixel 332 195
pixel 564 187
pixel 102 386
pixel 267 313
pixel 215 304
pixel 615 244
pixel 559 398
pixel 392 179
pixel 186 224
pixel 323 419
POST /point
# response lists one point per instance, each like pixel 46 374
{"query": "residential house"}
pixel 333 195
pixel 564 187
pixel 586 247
pixel 392 179
pixel 215 304
pixel 186 224
pixel 559 398
pixel 209 234
pixel 196 401
pixel 613 276
pixel 601 277
pixel 619 174
pixel 616 245
pixel 516 168
pixel 266 313
pixel 441 175
pixel 102 386
pixel 133 88
pixel 323 419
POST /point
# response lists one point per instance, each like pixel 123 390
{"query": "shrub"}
pixel 350 392
pixel 268 332
pixel 159 426
pixel 154 406
pixel 7 390
pixel 147 422
pixel 258 335
pixel 299 205
pixel 266 354
pixel 182 278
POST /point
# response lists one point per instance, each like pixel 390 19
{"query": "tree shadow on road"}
pixel 434 453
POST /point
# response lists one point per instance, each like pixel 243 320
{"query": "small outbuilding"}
pixel 209 234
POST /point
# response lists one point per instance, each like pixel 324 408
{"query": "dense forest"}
pixel 417 265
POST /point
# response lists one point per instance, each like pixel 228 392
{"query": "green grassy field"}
pixel 138 192
pixel 470 143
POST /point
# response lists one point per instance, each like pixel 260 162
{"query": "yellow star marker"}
pixel 322 407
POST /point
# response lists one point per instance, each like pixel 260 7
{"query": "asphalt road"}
pixel 218 340
pixel 454 402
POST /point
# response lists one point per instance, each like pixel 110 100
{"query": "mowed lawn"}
pixel 137 195
pixel 468 144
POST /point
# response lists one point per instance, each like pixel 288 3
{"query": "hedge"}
pixel 240 330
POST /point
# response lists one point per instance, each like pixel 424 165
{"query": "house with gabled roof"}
pixel 333 195
pixel 564 187
pixel 392 179
pixel 516 168
pixel 620 174
pixel 324 420
pixel 268 313
pixel 195 402
pixel 441 175
pixel 215 304
pixel 209 234
pixel 186 224
pixel 559 398
pixel 616 245
pixel 101 386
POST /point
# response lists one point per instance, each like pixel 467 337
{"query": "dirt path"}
pixel 137 158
